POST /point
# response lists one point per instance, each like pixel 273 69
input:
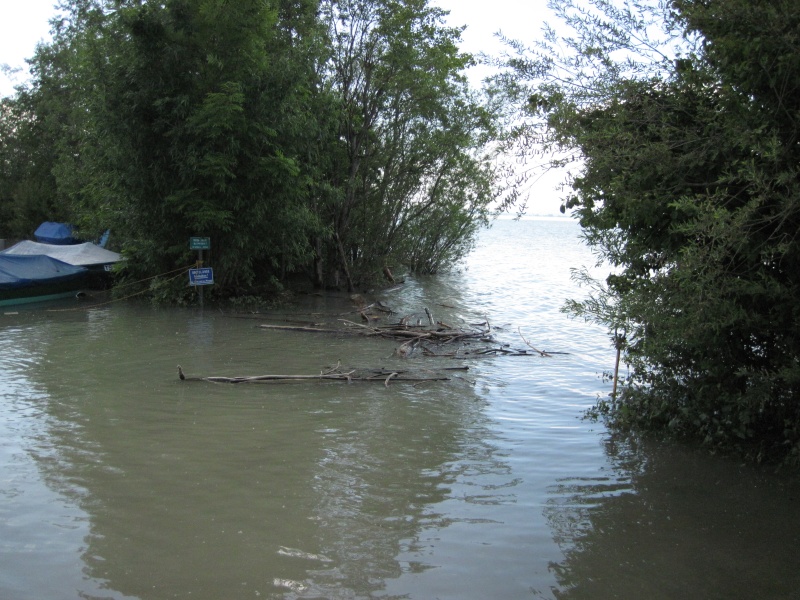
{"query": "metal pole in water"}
pixel 200 266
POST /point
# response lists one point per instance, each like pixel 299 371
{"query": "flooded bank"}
pixel 118 480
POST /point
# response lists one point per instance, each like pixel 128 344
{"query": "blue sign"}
pixel 204 276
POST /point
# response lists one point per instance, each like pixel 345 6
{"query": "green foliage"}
pixel 330 137
pixel 688 187
pixel 186 108
pixel 412 167
pixel 29 136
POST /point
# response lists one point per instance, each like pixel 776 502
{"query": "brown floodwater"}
pixel 118 480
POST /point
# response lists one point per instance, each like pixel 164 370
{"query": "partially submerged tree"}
pixel 687 184
pixel 332 137
pixel 189 112
pixel 415 172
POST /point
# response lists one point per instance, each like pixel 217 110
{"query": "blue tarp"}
pixel 55 233
pixel 26 271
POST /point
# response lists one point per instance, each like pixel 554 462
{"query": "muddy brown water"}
pixel 118 480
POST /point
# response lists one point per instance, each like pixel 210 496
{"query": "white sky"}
pixel 24 23
pixel 516 19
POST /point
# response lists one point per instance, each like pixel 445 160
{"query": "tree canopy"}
pixel 321 138
pixel 682 118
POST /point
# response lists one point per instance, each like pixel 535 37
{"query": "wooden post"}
pixel 619 341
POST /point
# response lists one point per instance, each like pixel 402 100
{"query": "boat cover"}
pixel 24 271
pixel 55 233
pixel 83 255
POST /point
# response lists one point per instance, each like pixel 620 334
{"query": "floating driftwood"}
pixel 444 334
pixel 430 339
pixel 486 352
pixel 333 374
pixel 306 328
pixel 436 338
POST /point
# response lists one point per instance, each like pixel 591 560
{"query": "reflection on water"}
pixel 684 525
pixel 120 481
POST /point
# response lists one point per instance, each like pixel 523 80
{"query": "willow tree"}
pixel 413 171
pixel 687 184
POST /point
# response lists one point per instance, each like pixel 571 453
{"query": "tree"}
pixel 413 169
pixel 34 130
pixel 333 137
pixel 189 112
pixel 688 186
pixel 27 188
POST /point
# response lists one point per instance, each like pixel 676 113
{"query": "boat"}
pixel 98 261
pixel 58 265
pixel 62 234
pixel 34 271
pixel 87 254
pixel 55 233
pixel 35 278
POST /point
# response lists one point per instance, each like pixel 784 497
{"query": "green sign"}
pixel 199 243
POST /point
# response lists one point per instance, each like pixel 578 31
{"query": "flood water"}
pixel 118 480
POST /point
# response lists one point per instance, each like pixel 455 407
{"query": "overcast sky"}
pixel 517 19
pixel 23 23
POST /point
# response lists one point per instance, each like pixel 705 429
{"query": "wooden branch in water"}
pixel 485 352
pixel 445 335
pixel 380 306
pixel 542 353
pixel 438 334
pixel 380 375
pixel 300 328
